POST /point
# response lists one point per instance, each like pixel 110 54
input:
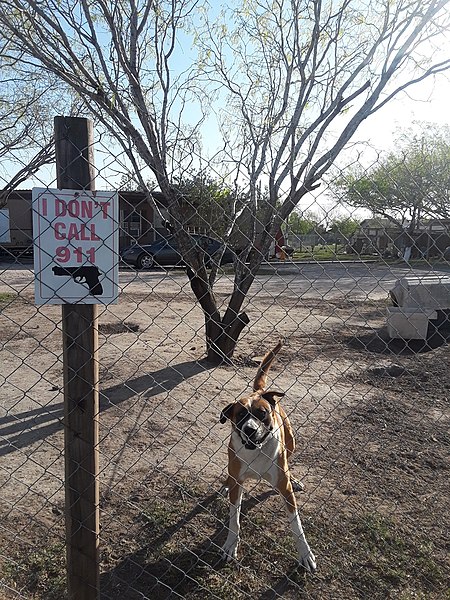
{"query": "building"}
pixel 140 220
pixel 383 237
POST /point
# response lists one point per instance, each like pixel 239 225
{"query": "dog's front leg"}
pixel 229 549
pixel 305 556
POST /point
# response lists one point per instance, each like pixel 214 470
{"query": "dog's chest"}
pixel 261 463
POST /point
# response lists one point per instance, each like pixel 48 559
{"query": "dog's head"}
pixel 253 416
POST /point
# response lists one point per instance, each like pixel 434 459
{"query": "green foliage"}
pixel 302 224
pixel 209 204
pixel 41 572
pixel 327 252
pixel 344 227
pixel 409 184
pixel 6 296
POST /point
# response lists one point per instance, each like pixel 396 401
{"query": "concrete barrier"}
pixel 409 323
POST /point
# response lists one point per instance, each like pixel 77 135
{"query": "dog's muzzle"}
pixel 253 434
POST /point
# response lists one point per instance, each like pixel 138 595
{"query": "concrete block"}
pixel 408 323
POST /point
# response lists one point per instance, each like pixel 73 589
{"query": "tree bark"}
pixel 222 333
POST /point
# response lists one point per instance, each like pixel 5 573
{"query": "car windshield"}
pixel 200 240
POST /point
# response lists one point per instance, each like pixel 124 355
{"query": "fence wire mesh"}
pixel 369 410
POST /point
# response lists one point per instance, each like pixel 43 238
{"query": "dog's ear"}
pixel 272 397
pixel 226 413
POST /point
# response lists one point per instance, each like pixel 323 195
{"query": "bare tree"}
pixel 45 156
pixel 300 76
pixel 26 138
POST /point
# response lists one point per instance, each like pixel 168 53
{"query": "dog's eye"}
pixel 242 414
pixel 260 413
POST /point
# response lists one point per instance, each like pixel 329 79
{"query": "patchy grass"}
pixel 173 552
pixel 377 519
pixel 6 298
pixel 175 539
pixel 330 253
pixel 375 508
pixel 39 573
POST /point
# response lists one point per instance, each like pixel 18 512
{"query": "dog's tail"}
pixel 261 375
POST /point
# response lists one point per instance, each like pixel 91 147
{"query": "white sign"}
pixel 76 258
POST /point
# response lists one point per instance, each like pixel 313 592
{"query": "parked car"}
pixel 165 252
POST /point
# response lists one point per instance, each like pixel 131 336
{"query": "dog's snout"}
pixel 250 427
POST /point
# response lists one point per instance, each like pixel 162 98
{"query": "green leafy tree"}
pixel 408 185
pixel 344 227
pixel 304 224
pixel 210 203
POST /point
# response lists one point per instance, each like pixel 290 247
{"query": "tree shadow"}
pixel 19 430
pixel 152 384
pixel 184 572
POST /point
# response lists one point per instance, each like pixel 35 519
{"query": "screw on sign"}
pixel 75 246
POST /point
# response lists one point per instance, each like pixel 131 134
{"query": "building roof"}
pixel 377 223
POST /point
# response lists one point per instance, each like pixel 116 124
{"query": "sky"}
pixel 428 101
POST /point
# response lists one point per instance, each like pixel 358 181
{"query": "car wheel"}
pixel 145 261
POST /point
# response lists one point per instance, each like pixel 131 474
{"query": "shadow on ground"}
pixel 18 430
pixel 379 342
pixel 196 570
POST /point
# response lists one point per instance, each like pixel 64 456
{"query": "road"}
pixel 307 280
pixel 310 280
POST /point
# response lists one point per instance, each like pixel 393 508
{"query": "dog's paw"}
pixel 308 562
pixel 224 490
pixel 229 550
pixel 297 485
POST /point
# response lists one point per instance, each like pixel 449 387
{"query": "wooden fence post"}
pixel 75 170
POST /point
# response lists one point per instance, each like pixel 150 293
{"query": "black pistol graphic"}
pixel 82 275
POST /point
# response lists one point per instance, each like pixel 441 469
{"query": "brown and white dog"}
pixel 260 445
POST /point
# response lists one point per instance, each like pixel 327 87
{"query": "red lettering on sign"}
pixel 60 231
pixel 87 233
pixel 75 208
pixel 60 208
pixel 74 231
pixel 87 209
pixel 104 206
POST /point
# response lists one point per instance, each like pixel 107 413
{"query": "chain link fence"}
pixel 369 411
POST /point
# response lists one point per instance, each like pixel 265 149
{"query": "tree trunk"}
pixel 222 334
pixel 221 340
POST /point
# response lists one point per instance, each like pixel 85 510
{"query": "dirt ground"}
pixel 371 416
